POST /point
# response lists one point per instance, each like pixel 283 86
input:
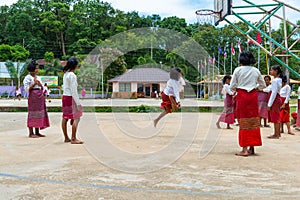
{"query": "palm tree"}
pixel 17 72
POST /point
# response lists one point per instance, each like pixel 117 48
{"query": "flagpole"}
pixel 198 81
pixel 231 59
pixel 258 62
pixel 224 62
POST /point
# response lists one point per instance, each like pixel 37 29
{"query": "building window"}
pixel 140 88
pixel 125 87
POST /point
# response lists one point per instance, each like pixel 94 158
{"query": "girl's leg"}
pixel 31 134
pixel 288 125
pixel 265 123
pixel 164 113
pixel 251 151
pixel 276 131
pixel 244 152
pixel 37 132
pixel 64 129
pixel 74 139
pixel 281 128
pixel 228 126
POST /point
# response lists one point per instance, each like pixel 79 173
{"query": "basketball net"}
pixel 206 16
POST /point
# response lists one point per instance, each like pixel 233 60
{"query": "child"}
pixel 71 106
pixel 170 95
pixel 37 113
pixel 285 108
pixel 83 92
pixel 47 92
pixel 274 102
pixel 227 115
pixel 263 101
pixel 18 94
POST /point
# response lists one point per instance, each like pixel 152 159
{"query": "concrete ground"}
pixel 125 157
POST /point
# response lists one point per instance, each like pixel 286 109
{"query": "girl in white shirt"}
pixel 170 95
pixel 263 101
pixel 37 113
pixel 274 102
pixel 71 106
pixel 227 115
pixel 285 93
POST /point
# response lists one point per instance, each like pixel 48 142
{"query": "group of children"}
pixel 37 114
pixel 279 101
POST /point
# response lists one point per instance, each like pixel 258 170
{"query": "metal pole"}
pixel 258 60
pixel 285 41
pixel 198 81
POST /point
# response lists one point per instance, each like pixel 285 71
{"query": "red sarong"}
pixel 70 109
pixel 166 104
pixel 37 113
pixel 262 104
pixel 248 118
pixel 274 113
pixel 298 114
pixel 285 112
pixel 227 116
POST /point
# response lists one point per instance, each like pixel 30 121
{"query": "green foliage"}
pixel 49 56
pixel 5 52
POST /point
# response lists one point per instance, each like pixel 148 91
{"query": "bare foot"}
pixel 228 127
pixel 267 126
pixel 67 140
pixel 291 133
pixel 76 142
pixel 251 151
pixel 33 136
pixel 273 137
pixel 218 125
pixel 245 154
pixel 40 135
pixel 155 123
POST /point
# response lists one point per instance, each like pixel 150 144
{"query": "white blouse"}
pixel 172 88
pixel 275 88
pixel 247 78
pixel 70 86
pixel 267 89
pixel 29 80
pixel 226 90
pixel 286 92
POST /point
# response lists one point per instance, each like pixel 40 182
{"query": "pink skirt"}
pixel 70 109
pixel 37 113
pixel 227 116
pixel 298 114
pixel 274 113
pixel 262 104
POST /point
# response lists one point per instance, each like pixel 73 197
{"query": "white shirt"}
pixel 29 80
pixel 267 89
pixel 275 88
pixel 247 78
pixel 46 90
pixel 70 86
pixel 285 92
pixel 173 89
pixel 226 90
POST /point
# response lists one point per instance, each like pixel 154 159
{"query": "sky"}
pixel 186 8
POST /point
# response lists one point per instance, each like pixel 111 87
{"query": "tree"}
pixel 17 72
pixel 5 52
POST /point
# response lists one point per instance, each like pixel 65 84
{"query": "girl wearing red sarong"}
pixel 263 101
pixel 285 93
pixel 275 101
pixel 227 116
pixel 37 113
pixel 245 80
pixel 170 95
pixel 71 106
pixel 298 112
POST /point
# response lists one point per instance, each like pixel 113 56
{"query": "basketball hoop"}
pixel 206 16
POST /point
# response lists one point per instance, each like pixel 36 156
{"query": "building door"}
pixel 147 91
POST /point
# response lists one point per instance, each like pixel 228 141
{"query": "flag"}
pixel 250 41
pixel 232 50
pixel 225 53
pixel 240 47
pixel 258 38
pixel 213 58
pixel 220 49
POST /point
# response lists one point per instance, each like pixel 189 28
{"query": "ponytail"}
pixel 279 71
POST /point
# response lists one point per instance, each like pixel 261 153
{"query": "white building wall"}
pixel 115 87
pixel 134 87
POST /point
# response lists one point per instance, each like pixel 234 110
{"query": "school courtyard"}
pixel 125 157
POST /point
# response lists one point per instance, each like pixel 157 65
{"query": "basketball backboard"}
pixel 224 7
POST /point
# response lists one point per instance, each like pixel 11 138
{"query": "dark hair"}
pixel 278 69
pixel 225 78
pixel 32 66
pixel 247 58
pixel 174 73
pixel 284 79
pixel 268 77
pixel 71 64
